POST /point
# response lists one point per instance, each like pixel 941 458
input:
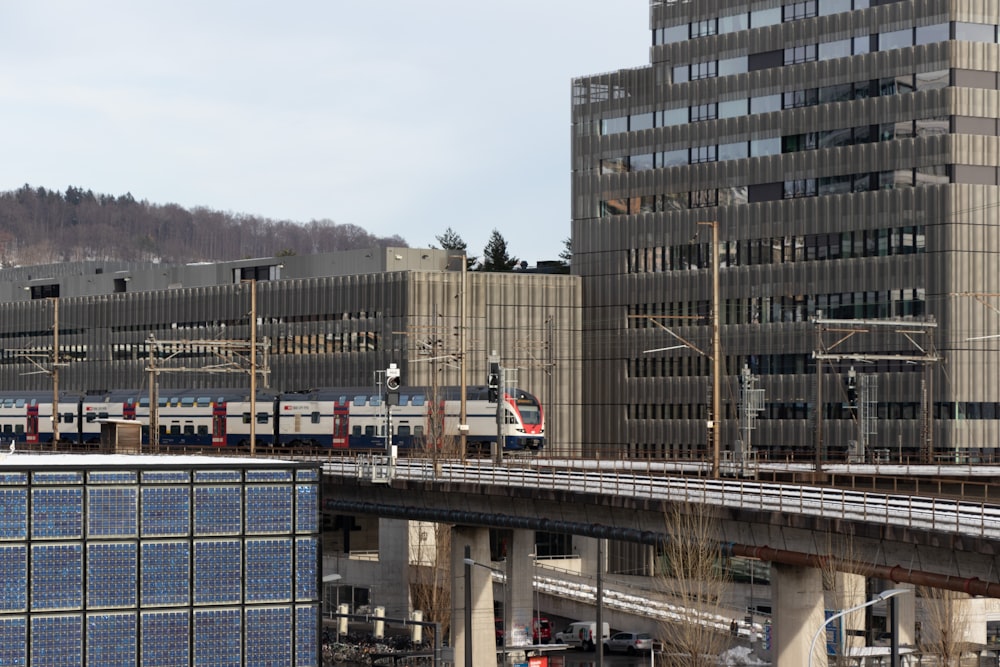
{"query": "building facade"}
pixel 330 320
pixel 137 560
pixel 846 154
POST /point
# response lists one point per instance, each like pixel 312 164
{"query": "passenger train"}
pixel 336 418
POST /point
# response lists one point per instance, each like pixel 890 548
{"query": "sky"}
pixel 403 118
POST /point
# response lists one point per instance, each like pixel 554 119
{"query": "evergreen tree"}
pixel 450 240
pixel 567 252
pixel 495 256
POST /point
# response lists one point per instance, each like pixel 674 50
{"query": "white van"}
pixel 581 633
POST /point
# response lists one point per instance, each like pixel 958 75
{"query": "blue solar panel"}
pixel 112 572
pixel 306 635
pixel 218 571
pixel 217 476
pixel 13 640
pixel 306 568
pixel 269 637
pixel 218 637
pixel 112 477
pixel 13 514
pixel 8 478
pixel 57 477
pixel 165 573
pixel 57 513
pixel 218 510
pixel 111 640
pixel 269 509
pixel 269 570
pixel 13 579
pixel 57 640
pixel 165 639
pixel 166 511
pixel 56 576
pixel 307 475
pixel 166 477
pixel 269 476
pixel 306 508
pixel 111 511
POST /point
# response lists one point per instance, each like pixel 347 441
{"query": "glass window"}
pixel 800 54
pixel 681 73
pixel 764 17
pixel 841 93
pixel 733 23
pixel 733 108
pixel 672 158
pixel 862 44
pixel 895 179
pixel 703 198
pixel 614 165
pixel 927 127
pixel 733 196
pixel 640 121
pixel 834 185
pixel 932 175
pixel 799 10
pixel 896 39
pixel 704 112
pixel 827 7
pixel 837 49
pixel 614 207
pixel 614 125
pixel 705 70
pixel 704 28
pixel 670 117
pixel 765 103
pixel 641 162
pixel 672 34
pixel 703 154
pixel 930 34
pixel 800 98
pixel 799 142
pixel 862 134
pixel 933 80
pixel 762 147
pixel 737 65
pixel 975 32
pixel 834 138
pixel 734 151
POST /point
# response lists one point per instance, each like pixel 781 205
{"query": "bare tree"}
pixel 690 570
pixel 944 626
pixel 430 559
pixel 845 590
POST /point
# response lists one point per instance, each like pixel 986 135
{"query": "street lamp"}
pixel 884 595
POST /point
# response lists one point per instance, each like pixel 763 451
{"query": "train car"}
pixel 357 418
pixel 336 418
pixel 26 417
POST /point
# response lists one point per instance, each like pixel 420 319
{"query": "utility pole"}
pixel 253 368
pixel 463 426
pixel 55 372
pixel 715 418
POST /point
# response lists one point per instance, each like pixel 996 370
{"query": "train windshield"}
pixel 530 414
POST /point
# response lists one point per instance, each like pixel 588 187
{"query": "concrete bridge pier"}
pixel 519 603
pixel 478 584
pixel 797 601
pixel 394 567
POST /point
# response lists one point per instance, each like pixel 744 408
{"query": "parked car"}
pixel 629 642
pixel 583 635
pixel 541 630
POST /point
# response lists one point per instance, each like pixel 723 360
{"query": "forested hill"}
pixel 39 226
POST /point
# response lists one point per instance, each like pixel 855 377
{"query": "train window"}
pixel 246 417
pixel 369 430
pixel 375 400
pixel 102 415
pixel 342 400
pixel 68 417
pixel 91 417
pixel 188 429
pixel 418 431
pixel 143 402
pixel 403 431
pixel 162 402
pixel 315 418
pixel 262 417
pixel 175 429
pixel 7 428
pixel 202 429
pixel 203 400
pixel 360 400
pixel 18 428
pixel 20 403
pixel 356 430
pixel 419 399
pixel 8 403
pixel 187 402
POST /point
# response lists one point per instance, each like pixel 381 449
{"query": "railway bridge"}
pixel 911 539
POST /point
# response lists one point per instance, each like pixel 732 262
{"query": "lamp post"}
pixel 884 595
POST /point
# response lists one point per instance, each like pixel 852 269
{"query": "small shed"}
pixel 121 436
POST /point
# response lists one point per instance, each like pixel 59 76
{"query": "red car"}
pixel 541 630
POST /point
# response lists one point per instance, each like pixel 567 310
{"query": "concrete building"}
pixel 845 153
pixel 129 560
pixel 324 320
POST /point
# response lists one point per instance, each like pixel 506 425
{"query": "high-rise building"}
pixel 846 154
pixel 140 560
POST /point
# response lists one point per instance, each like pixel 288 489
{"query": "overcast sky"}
pixel 400 117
